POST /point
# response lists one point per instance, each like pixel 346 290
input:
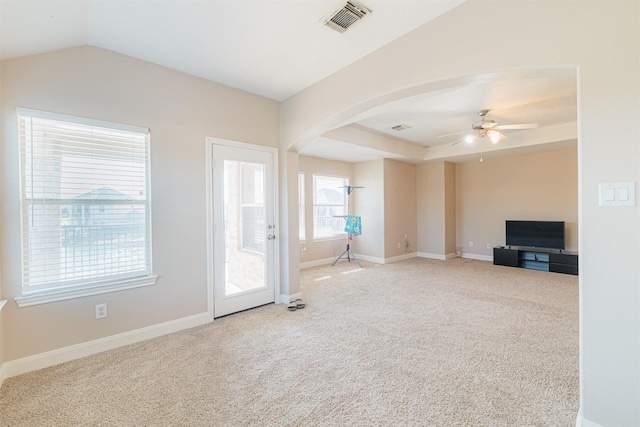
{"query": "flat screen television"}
pixel 535 234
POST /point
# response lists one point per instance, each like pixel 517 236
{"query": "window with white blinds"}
pixel 85 202
pixel 301 225
pixel 329 206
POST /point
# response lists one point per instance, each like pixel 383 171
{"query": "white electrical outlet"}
pixel 470 243
pixel 399 245
pixel 304 250
pixel 101 310
pixel 488 245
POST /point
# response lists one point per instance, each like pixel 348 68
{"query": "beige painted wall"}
pixel 536 35
pixel 181 111
pixel 436 209
pixel 322 249
pixel 387 205
pixel 542 186
pixel 400 208
pixel 369 204
pixel 430 193
pixel 450 225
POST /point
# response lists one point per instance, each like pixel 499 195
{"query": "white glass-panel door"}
pixel 244 230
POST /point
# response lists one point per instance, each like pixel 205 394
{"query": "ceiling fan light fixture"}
pixel 494 136
pixel 488 128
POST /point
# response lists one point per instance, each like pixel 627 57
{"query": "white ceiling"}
pixel 547 97
pixel 271 48
pixel 547 100
pixel 278 48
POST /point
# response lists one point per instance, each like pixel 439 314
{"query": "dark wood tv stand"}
pixel 552 260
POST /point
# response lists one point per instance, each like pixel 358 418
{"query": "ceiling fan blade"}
pixel 518 126
pixel 489 124
pixel 455 133
pixel 500 139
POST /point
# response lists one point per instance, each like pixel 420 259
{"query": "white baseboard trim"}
pixel 316 263
pixel 582 422
pixel 77 351
pixel 433 256
pixel 370 259
pixel 386 260
pixel 400 257
pixel 453 255
pixel 3 374
pixel 286 299
pixel 478 257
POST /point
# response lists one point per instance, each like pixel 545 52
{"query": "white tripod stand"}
pixel 347 250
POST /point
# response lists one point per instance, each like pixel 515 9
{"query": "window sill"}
pixel 43 297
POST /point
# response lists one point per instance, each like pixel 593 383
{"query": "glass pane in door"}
pixel 244 226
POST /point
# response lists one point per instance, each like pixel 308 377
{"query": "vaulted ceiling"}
pixel 278 48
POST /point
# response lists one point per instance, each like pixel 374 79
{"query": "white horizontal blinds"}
pixel 329 205
pixel 301 209
pixel 85 202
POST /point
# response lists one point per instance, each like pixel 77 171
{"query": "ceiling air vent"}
pixel 348 14
pixel 400 127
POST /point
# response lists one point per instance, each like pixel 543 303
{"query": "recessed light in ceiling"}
pixel 346 15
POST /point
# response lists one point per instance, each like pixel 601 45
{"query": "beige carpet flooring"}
pixel 415 343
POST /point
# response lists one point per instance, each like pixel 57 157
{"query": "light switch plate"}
pixel 617 194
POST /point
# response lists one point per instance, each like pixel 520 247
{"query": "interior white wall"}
pixel 598 39
pixel 181 111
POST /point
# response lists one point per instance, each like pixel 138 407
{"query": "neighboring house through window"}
pixel 329 206
pixel 251 193
pixel 85 206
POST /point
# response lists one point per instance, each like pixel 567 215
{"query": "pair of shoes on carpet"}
pixel 295 305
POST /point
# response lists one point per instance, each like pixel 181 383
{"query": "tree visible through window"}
pixel 329 205
pixel 85 202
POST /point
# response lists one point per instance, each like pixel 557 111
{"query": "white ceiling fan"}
pixel 490 129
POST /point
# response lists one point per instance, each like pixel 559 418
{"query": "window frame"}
pixel 342 234
pixel 64 289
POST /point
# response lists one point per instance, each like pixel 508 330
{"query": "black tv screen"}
pixel 536 234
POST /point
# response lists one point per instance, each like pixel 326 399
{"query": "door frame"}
pixel 209 144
